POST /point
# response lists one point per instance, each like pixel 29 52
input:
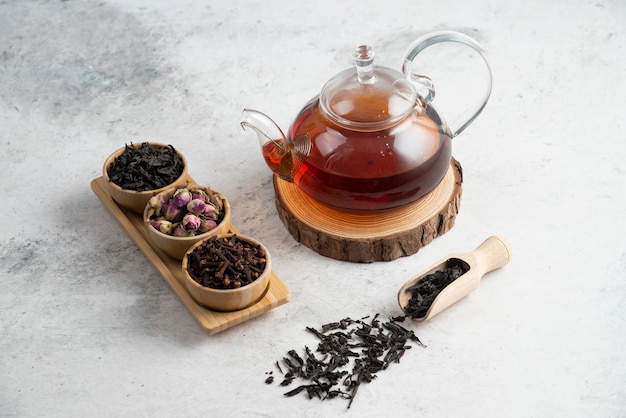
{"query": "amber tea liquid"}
pixel 365 171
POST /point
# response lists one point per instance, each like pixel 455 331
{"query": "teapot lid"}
pixel 370 98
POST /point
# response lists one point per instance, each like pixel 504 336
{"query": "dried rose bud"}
pixel 191 222
pixel 189 210
pixel 181 198
pixel 196 206
pixel 206 226
pixel 156 202
pixel 180 231
pixel 162 226
pixel 171 212
pixel 210 212
pixel 199 194
pixel 216 200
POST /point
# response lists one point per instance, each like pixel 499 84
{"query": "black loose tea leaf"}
pixel 146 168
pixel 424 292
pixel 369 347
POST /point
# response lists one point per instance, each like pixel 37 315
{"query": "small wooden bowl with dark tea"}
pixel 451 279
pixel 128 196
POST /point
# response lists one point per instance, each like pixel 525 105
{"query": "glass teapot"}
pixel 371 140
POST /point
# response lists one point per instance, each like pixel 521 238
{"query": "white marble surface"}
pixel 89 328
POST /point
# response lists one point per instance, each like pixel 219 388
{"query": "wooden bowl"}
pixel 130 199
pixel 176 247
pixel 228 299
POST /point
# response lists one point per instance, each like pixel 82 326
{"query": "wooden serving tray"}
pixel 212 322
pixel 368 237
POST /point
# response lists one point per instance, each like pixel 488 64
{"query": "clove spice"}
pixel 226 262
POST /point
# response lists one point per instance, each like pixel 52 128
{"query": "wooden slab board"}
pixel 369 237
pixel 170 269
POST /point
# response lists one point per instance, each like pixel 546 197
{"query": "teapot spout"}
pixel 277 149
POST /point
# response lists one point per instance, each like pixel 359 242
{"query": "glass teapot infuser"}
pixel 371 140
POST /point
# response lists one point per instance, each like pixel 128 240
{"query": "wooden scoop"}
pixel 493 253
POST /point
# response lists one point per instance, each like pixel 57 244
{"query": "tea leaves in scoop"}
pixel 424 292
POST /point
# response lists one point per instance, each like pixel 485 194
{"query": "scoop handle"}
pixel 492 254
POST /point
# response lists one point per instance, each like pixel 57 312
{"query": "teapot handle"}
pixel 425 83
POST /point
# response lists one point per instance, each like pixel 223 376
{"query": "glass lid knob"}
pixel 364 61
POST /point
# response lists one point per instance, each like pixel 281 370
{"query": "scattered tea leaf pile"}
pixel 424 292
pixel 226 262
pixel 145 168
pixel 366 347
